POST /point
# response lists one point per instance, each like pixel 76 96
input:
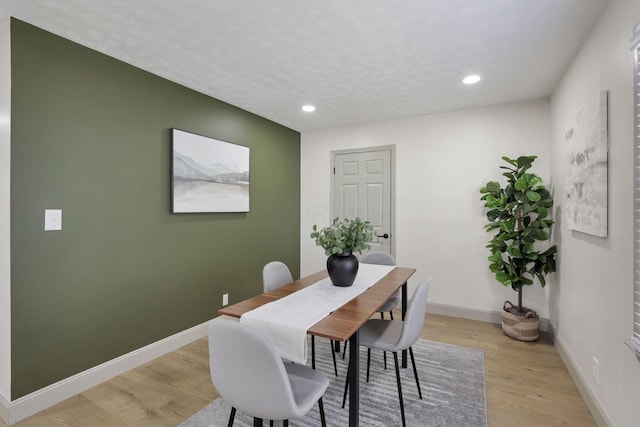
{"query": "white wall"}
pixel 441 163
pixel 5 224
pixel 591 307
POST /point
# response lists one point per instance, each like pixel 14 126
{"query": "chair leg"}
pixel 395 359
pixel 285 423
pixel 384 352
pixel 322 419
pixel 391 314
pixel 346 387
pixel 368 362
pixel 415 372
pixel 335 365
pixel 257 422
pixel 344 349
pixel 232 416
pixel 270 423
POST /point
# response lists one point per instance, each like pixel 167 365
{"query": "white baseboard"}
pixel 475 314
pixel 597 412
pixel 21 408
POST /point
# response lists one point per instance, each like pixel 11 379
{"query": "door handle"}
pixel 384 236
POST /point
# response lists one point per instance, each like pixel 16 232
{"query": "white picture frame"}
pixel 586 204
pixel 208 175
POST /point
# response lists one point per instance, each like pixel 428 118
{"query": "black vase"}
pixel 342 268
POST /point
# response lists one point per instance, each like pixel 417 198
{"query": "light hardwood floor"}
pixel 527 385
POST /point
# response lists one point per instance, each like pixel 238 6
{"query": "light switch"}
pixel 52 219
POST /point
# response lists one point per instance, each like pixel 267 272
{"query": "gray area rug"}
pixel 451 378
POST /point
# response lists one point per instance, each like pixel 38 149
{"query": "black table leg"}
pixel 404 311
pixel 354 380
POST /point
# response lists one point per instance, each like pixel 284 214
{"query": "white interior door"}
pixel 362 188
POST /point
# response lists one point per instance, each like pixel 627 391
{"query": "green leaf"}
pixel 491 201
pixel 508 225
pixel 510 161
pixel 525 161
pixel 508 191
pixel 539 234
pixel 542 212
pixel 503 278
pixel 526 281
pixel 514 251
pixel 541 279
pixel 534 180
pixel 491 226
pixel 508 175
pixel 545 195
pixel 511 270
pixel 493 187
pixel 494 214
pixel 511 205
pixel 521 197
pixel 533 196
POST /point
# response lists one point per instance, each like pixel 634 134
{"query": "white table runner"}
pixel 287 320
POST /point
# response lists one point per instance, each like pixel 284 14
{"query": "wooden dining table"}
pixel 343 324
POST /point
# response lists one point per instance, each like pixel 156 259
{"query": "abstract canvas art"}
pixel 208 175
pixel 587 157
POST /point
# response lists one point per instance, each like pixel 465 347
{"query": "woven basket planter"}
pixel 520 327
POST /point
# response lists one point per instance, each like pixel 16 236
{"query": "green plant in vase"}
pixel 339 241
pixel 519 216
pixel 344 235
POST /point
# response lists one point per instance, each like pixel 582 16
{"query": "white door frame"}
pixel 392 178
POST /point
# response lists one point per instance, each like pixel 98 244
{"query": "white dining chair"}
pixel 274 275
pixel 395 336
pixel 383 258
pixel 248 373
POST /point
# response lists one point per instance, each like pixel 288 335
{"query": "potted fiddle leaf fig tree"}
pixel 339 241
pixel 518 215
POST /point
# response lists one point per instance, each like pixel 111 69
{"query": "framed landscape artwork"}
pixel 208 175
pixel 587 159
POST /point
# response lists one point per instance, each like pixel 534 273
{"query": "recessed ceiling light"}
pixel 471 79
pixel 308 108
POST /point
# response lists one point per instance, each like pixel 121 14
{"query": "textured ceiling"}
pixel 357 60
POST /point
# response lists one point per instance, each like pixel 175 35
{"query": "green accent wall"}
pixel 91 136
